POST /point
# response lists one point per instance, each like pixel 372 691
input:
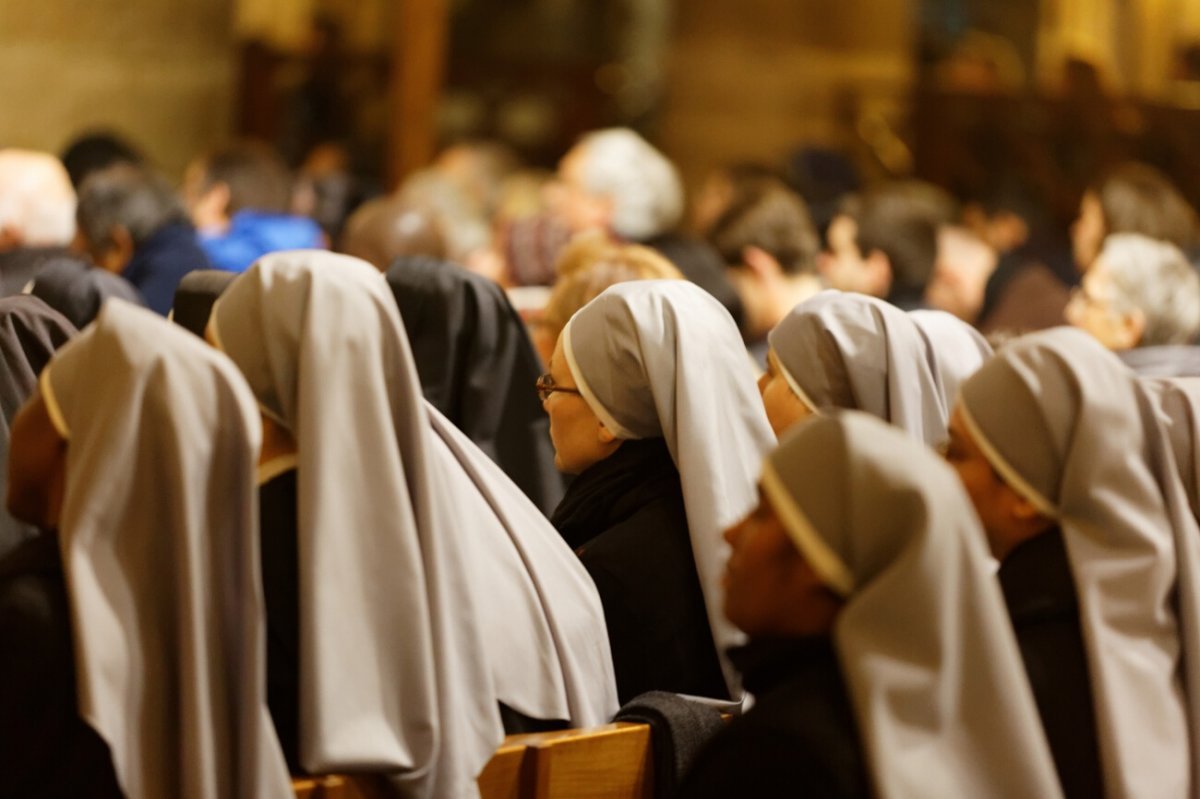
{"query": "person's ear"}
pixel 1130 329
pixel 119 251
pixel 878 273
pixel 761 263
pixel 10 238
pixel 1027 514
pixel 605 435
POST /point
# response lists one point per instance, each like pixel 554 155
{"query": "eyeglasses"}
pixel 546 387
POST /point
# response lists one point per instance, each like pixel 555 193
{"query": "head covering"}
pixel 662 358
pixel 403 560
pixel 930 660
pixel 195 297
pixel 30 332
pixel 77 290
pixel 160 550
pixel 477 364
pixel 954 350
pixel 843 350
pixel 1072 430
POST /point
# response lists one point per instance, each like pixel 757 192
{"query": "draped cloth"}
pixel 428 584
pixel 1071 429
pixel 954 350
pixel 160 550
pixel 843 350
pixel 1177 401
pixel 930 659
pixel 663 358
pixel 30 332
pixel 477 367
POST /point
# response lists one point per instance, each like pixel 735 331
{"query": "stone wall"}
pixel 159 71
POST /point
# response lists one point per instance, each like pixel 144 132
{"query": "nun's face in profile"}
pixel 580 438
pixel 1008 519
pixel 784 408
pixel 37 466
pixel 770 589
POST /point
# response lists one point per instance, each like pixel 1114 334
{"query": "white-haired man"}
pixel 1141 298
pixel 37 215
pixel 614 180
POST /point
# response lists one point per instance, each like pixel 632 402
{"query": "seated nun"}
pixel 1072 478
pixel 851 351
pixel 651 403
pixel 438 606
pixel 30 332
pixel 880 657
pixel 133 628
pixel 476 364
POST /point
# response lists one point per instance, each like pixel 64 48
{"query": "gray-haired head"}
pixel 37 202
pixel 1153 278
pixel 645 189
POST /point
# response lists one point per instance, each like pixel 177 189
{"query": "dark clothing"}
pixel 30 332
pixel 161 261
pixel 253 234
pixel 1040 593
pixel 1166 361
pixel 77 290
pixel 799 739
pixel 679 730
pixel 478 367
pixel 907 298
pixel 20 266
pixel 195 297
pixel 277 509
pixel 626 519
pixel 46 749
pixel 701 264
pixel 1023 296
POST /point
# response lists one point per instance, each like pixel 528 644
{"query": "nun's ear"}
pixel 605 435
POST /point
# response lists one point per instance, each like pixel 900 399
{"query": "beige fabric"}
pixel 159 539
pixel 930 660
pixel 1177 400
pixel 1076 425
pixel 663 358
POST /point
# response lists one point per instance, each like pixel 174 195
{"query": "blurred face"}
pixel 784 408
pixel 847 268
pixel 1091 309
pixel 570 200
pixel 770 590
pixel 1088 232
pixel 37 466
pixel 1007 518
pixel 580 438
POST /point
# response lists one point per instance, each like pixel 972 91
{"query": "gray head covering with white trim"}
pixel 662 358
pixel 159 538
pixel 1073 431
pixel 930 660
pixel 954 349
pixel 844 350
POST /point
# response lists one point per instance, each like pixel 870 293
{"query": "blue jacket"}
pixel 253 234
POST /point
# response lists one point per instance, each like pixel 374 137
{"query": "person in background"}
pixel 238 198
pixel 92 152
pixel 768 241
pixel 879 654
pixel 386 228
pixel 964 264
pixel 1141 299
pixel 78 290
pixel 884 242
pixel 1057 444
pixel 37 215
pixel 726 187
pixel 132 224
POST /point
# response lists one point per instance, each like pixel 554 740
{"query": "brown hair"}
pixel 1136 198
pixel 773 218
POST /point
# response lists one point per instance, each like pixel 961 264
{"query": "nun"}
pixel 418 599
pixel 30 332
pixel 1058 446
pixel 880 656
pixel 133 637
pixel 476 363
pixel 851 351
pixel 651 403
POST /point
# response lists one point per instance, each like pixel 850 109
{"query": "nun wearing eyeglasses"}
pixel 880 656
pixel 138 618
pixel 1072 475
pixel 652 405
pixel 851 351
pixel 423 605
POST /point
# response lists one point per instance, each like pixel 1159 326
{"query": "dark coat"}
pixel 800 738
pixel 277 509
pixel 46 749
pixel 625 518
pixel 1040 593
pixel 20 266
pixel 478 367
pixel 161 261
pixel 77 290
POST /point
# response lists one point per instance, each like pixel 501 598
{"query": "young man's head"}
pixel 244 176
pixel 119 209
pixel 1138 293
pixel 1132 198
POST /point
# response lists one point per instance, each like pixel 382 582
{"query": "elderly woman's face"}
pixel 37 466
pixel 580 438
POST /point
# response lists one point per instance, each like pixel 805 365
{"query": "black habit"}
pixel 799 739
pixel 626 519
pixel 1040 593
